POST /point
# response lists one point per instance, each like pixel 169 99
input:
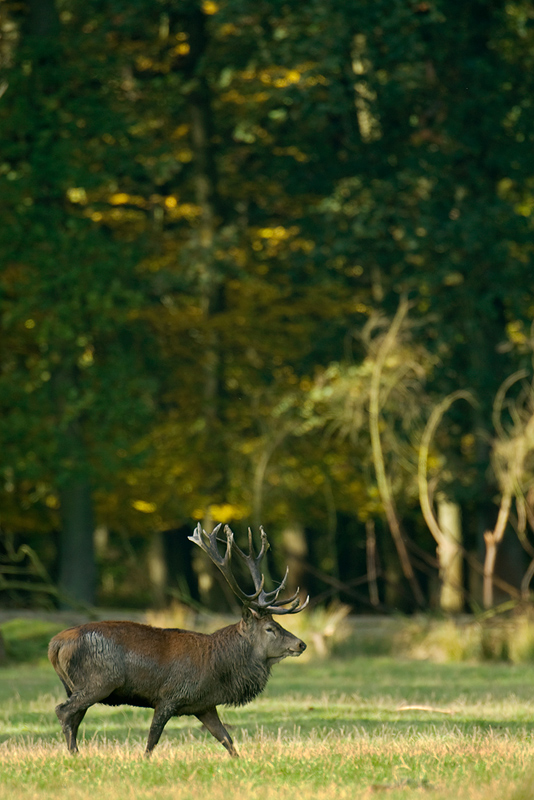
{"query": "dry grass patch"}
pixel 342 728
pixel 352 763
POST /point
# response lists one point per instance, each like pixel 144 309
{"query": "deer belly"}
pixel 119 698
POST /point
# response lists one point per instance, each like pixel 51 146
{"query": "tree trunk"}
pixel 450 556
pixel 43 19
pixel 372 572
pixel 157 569
pixel 447 529
pixel 211 280
pixel 77 559
pixel 492 539
pixel 489 569
pixel 77 568
pixel 296 551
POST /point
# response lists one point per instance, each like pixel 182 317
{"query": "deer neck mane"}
pixel 241 672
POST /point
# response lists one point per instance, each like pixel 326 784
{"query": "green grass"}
pixel 27 639
pixel 322 729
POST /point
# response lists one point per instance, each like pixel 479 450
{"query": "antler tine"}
pixel 276 601
pixel 264 543
pixel 252 561
pixel 208 543
pixel 271 598
pixel 267 602
pixel 210 546
pixel 294 608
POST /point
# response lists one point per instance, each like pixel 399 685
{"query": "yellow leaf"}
pixel 144 507
pixel 119 198
pixel 209 7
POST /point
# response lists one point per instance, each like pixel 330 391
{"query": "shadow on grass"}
pixel 45 728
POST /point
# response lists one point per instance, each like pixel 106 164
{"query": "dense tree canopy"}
pixel 211 214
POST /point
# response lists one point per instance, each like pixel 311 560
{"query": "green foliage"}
pixel 26 640
pixel 205 205
pixel 439 640
pixel 70 293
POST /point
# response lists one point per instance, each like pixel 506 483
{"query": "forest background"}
pixel 267 263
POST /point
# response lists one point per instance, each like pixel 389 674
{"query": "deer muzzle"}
pixel 298 648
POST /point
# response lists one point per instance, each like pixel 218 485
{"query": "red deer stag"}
pixel 176 671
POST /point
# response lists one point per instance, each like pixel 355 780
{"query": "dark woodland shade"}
pixel 207 219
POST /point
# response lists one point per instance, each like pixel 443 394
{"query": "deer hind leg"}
pixel 70 727
pixel 210 720
pixel 72 711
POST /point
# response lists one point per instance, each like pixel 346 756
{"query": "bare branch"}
pixel 424 448
pixel 378 455
pixel 499 400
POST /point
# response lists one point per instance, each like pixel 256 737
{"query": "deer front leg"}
pixel 210 719
pixel 162 714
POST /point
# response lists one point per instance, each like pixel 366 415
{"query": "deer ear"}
pixel 249 614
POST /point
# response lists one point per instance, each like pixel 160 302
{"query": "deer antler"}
pixel 208 543
pixel 261 601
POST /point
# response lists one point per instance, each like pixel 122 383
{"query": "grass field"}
pixel 336 728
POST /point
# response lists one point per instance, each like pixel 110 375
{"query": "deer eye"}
pixel 270 629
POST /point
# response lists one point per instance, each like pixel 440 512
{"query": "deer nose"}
pixel 302 646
